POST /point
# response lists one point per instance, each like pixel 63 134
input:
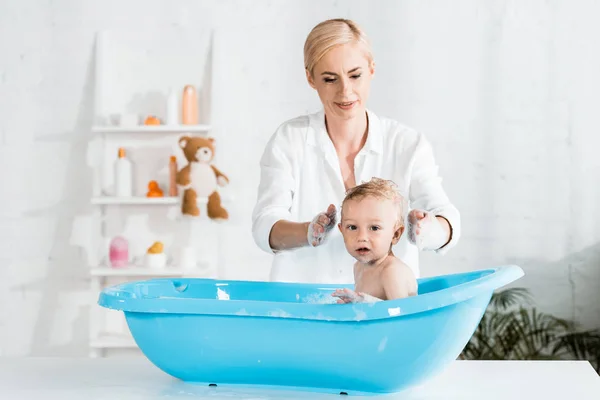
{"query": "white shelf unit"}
pixel 137 271
pixel 160 129
pixel 133 69
pixel 146 201
pixel 137 200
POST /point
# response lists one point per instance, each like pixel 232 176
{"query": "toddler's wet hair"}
pixel 381 189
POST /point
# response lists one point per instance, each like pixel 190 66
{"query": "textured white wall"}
pixel 505 90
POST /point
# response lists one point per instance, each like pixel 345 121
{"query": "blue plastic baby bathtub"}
pixel 293 335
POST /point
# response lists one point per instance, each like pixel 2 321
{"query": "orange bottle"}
pixel 189 106
pixel 173 176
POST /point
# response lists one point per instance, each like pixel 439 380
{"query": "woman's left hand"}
pixel 426 231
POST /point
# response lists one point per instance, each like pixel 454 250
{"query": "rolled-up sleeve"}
pixel 427 193
pixel 275 190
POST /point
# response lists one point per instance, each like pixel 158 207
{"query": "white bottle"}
pixel 187 258
pixel 172 108
pixel 123 176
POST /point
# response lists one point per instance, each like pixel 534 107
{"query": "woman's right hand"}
pixel 321 225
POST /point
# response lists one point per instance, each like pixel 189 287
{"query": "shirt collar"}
pixel 317 134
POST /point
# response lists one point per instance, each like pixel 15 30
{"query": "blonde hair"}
pixel 328 34
pixel 380 189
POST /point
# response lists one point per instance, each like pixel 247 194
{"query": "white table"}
pixel 136 378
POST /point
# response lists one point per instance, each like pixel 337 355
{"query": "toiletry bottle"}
pixel 119 252
pixel 123 176
pixel 173 176
pixel 187 258
pixel 172 108
pixel 189 109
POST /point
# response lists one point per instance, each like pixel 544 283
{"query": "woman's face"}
pixel 342 78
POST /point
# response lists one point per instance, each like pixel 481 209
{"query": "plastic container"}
pixel 189 106
pixel 123 175
pixel 155 261
pixel 290 335
pixel 187 258
pixel 173 176
pixel 118 253
pixel 172 108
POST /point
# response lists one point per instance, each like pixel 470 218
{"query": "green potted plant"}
pixel 513 329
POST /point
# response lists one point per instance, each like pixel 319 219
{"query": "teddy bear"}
pixel 199 178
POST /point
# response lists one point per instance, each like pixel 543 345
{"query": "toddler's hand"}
pixel 348 296
pixel 320 226
pixel 425 231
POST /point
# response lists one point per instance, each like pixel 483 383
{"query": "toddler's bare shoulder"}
pixel 396 265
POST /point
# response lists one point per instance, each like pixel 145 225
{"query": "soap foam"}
pixel 359 315
pixel 280 313
pixel 319 298
pixel 394 311
pixel 382 344
pixel 222 295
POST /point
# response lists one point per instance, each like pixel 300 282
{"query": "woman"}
pixel 310 162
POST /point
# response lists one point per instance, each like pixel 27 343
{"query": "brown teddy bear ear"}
pixel 212 140
pixel 183 141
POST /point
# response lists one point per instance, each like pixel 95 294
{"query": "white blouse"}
pixel 300 177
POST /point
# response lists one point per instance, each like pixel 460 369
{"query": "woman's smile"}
pixel 346 105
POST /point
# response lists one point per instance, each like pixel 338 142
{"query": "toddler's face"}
pixel 369 227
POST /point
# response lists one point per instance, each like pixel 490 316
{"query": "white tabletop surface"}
pixel 136 378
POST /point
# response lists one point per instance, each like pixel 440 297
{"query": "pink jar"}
pixel 119 252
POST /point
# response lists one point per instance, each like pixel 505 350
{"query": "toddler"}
pixel 372 220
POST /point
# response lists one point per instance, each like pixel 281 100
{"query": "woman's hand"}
pixel 427 231
pixel 320 226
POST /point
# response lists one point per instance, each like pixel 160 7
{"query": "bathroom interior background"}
pixel 505 90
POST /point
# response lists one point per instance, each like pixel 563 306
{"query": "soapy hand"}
pixel 425 231
pixel 320 226
pixel 348 296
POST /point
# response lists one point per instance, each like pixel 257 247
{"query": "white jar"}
pixel 156 260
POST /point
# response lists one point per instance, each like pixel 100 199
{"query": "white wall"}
pixel 505 90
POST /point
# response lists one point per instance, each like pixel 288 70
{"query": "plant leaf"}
pixel 507 298
pixel 510 329
pixel 582 345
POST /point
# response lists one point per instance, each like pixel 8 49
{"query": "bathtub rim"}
pixel 121 297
